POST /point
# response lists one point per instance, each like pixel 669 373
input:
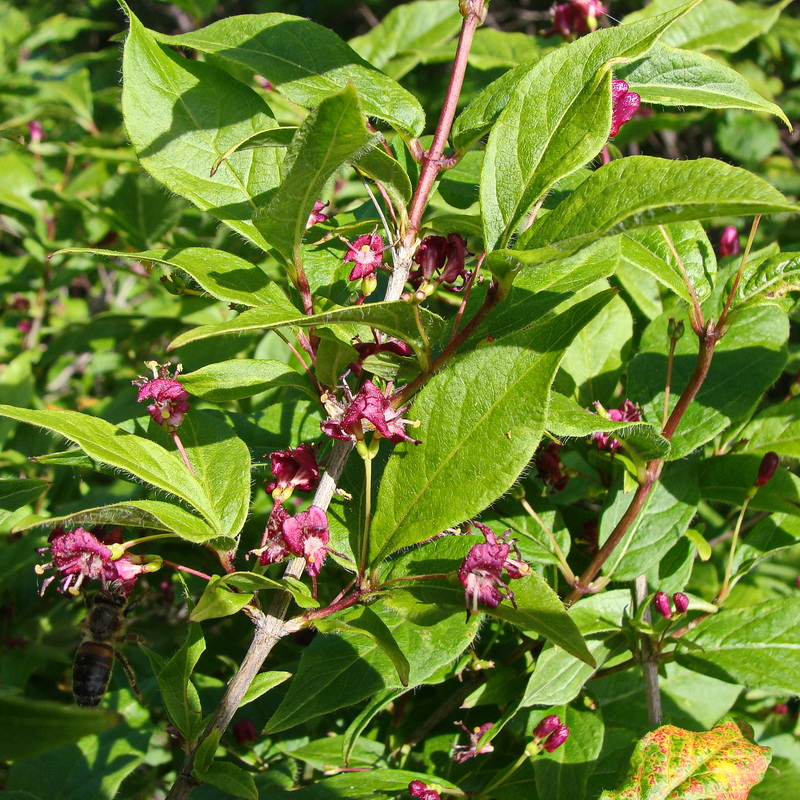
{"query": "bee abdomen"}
pixel 91 672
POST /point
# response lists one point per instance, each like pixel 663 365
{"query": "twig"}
pixel 652 693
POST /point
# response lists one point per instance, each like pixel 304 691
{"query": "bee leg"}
pixel 130 676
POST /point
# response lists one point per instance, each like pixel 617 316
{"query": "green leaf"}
pixel 221 464
pixel 306 63
pixel 341 669
pixel 540 609
pixel 555 119
pixel 747 361
pixel 671 762
pixel 271 137
pixel 333 133
pixel 406 34
pixel 367 623
pixel 490 401
pixel 182 115
pixel 729 478
pixel 757 646
pixel 241 377
pixel 565 419
pixel 640 191
pixel 151 514
pixel 39 725
pixel 365 785
pixel 223 275
pixel 668 510
pixel 379 702
pixel 230 778
pixel 252 582
pixel 564 773
pixel 397 318
pixel 262 683
pixel 177 690
pixel 714 25
pixel 378 165
pixel 671 77
pixel 206 752
pixel 15 494
pixel 218 601
pixel 137 456
pixel 769 281
pixel 648 249
pixel 776 428
pixel 772 536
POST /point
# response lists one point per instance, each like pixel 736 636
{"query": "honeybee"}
pixel 103 631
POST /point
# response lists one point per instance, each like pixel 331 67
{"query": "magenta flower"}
pixel 627 412
pixel 79 554
pixel 549 467
pixel 481 571
pixel 366 254
pixel 442 256
pixel 307 535
pixel 316 216
pixel 293 469
pixel 556 738
pixel 423 791
pixel 245 731
pixel 274 547
pixel 661 602
pixel 463 752
pixel 36 131
pixel 624 105
pixel 575 17
pixel 729 242
pixel 371 409
pixel 766 469
pixel 546 727
pixel 170 399
pixel 681 602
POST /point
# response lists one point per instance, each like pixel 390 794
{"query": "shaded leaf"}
pixel 242 377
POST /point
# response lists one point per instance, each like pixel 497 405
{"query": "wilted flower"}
pixel 463 752
pixel 307 535
pixel 575 17
pixel 366 349
pixel 293 469
pixel 366 254
pixel 316 216
pixel 371 409
pixel 624 105
pixel 627 412
pixel 661 602
pixel 422 791
pixel 480 572
pixel 443 255
pixel 729 242
pixel 79 554
pixel 171 400
pixel 681 602
pixel 549 466
pixel 769 463
pixel 274 547
pixel 245 731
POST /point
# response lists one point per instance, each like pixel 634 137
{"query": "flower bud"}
pixel 767 468
pixel 675 329
pixel 547 726
pixel 556 738
pixel 729 242
pixel 681 602
pixel 661 602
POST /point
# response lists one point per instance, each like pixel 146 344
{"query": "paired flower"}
pixel 293 469
pixel 627 412
pixel 440 256
pixel 549 467
pixel 463 752
pixel 422 791
pixel 306 535
pixel 624 104
pixel 480 572
pixel 79 554
pixel 170 399
pixel 549 735
pixel 575 17
pixel 372 410
pixel 366 255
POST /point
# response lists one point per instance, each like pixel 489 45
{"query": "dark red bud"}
pixel 556 738
pixel 661 602
pixel 681 602
pixel 767 468
pixel 547 726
